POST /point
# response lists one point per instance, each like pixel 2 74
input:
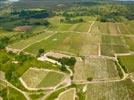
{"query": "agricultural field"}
pixel 127 62
pixel 66 50
pixel 113 45
pixel 67 95
pixel 25 43
pixel 111 91
pixel 41 79
pixel 97 69
pixel 10 92
pixel 65 41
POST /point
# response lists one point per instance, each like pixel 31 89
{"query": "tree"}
pixel 89 78
pixel 3 42
pixel 40 52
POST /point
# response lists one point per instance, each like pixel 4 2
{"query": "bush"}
pixel 40 52
pixel 89 79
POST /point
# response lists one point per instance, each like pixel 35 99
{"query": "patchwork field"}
pixel 111 91
pixel 40 78
pixel 96 68
pixel 105 39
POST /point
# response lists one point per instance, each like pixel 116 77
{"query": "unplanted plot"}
pixel 110 91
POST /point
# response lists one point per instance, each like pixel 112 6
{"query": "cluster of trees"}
pixel 3 42
pixel 71 20
pixel 107 12
pixel 32 13
pixel 65 61
pixel 24 17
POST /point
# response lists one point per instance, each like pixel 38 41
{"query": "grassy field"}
pixel 67 95
pixel 111 91
pixel 40 78
pixel 127 62
pixel 96 68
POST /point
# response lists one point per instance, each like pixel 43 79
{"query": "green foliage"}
pixel 119 70
pixel 67 61
pixel 40 52
pixel 14 71
pixel 108 12
pixel 22 58
pixel 3 42
pixel 71 20
pixel 32 13
pixel 89 78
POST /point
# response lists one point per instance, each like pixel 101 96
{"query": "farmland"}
pixel 91 67
pixel 41 78
pixel 67 95
pixel 67 50
pixel 106 91
pixel 127 62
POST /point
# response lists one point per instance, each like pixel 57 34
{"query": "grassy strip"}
pixel 119 70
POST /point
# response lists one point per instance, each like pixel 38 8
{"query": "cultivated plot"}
pixel 111 45
pixel 41 78
pixel 65 41
pixel 127 62
pixel 67 95
pixel 111 91
pixel 130 42
pixel 27 42
pixel 97 69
